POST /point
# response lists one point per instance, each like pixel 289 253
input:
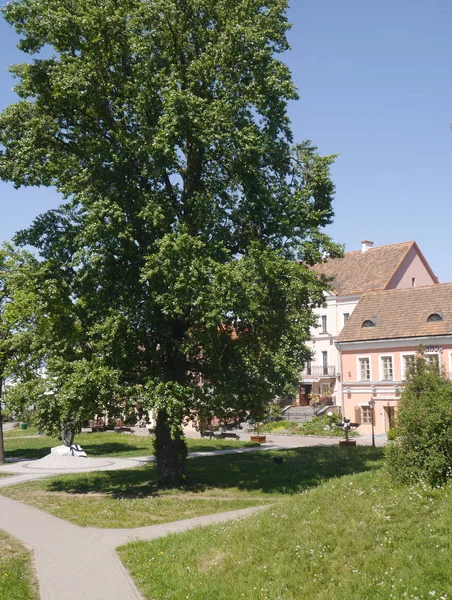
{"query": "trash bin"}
pixel 23 425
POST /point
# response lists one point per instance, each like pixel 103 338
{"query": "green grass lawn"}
pixel 130 498
pixel 18 432
pixel 17 580
pixel 358 537
pixel 107 444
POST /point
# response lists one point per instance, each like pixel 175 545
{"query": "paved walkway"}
pixel 74 562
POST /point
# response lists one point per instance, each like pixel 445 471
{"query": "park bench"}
pixel 97 425
pixel 124 430
pixel 208 434
pixel 229 434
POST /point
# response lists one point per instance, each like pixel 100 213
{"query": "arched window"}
pixel 368 323
pixel 436 316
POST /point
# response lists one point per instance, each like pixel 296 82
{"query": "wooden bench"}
pixel 124 430
pixel 97 425
pixel 208 434
pixel 229 434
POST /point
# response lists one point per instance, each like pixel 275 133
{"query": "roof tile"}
pixel 400 313
pixel 359 271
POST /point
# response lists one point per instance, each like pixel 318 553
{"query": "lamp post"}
pixel 372 408
pixel 330 416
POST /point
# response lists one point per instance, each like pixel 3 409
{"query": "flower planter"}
pixel 261 439
pixel 347 442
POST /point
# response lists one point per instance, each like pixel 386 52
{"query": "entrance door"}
pixel 390 416
pixel 303 396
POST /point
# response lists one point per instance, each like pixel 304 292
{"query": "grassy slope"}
pixel 16 577
pixel 106 444
pixel 130 498
pixel 358 537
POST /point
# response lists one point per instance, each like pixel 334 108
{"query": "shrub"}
pixel 279 426
pixel 393 434
pixel 321 426
pixel 423 449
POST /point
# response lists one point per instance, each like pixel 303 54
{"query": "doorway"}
pixel 303 394
pixel 389 417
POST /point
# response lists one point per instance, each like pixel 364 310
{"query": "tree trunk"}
pixel 2 442
pixel 170 453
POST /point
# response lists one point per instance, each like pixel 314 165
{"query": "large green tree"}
pixel 178 267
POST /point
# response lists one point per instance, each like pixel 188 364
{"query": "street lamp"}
pixel 330 415
pixel 372 408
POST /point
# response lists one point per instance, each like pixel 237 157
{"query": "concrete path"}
pixel 74 562
pixel 70 563
pixel 113 538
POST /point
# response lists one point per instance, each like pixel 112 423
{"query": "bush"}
pixel 278 426
pixel 321 426
pixel 393 434
pixel 423 449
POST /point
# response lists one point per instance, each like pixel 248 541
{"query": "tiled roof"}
pixel 359 272
pixel 401 313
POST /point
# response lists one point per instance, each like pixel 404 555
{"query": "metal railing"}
pixel 322 371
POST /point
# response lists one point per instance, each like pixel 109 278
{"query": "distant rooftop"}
pixel 401 313
pixel 367 269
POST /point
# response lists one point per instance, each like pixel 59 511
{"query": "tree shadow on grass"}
pixel 28 453
pixel 300 469
pixel 114 449
pixel 205 446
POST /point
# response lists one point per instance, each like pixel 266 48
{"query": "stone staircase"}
pixel 302 414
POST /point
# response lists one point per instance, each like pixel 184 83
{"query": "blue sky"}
pixel 375 86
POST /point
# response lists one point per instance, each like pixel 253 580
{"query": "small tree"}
pixel 423 449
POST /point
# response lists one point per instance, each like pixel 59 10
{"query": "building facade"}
pixel 386 331
pixel 395 266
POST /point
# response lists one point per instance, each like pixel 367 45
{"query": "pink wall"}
pixel 411 266
pixel 357 393
pixel 350 362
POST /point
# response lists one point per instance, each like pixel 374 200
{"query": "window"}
pixel 436 316
pixel 325 362
pixel 407 360
pixel 433 359
pixel 309 368
pixel 413 282
pixel 368 323
pixel 324 329
pixel 386 368
pixel 346 317
pixel 366 415
pixel 364 369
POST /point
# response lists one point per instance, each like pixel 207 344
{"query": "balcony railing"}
pixel 315 371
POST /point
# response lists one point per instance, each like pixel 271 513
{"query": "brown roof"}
pixel 400 313
pixel 359 271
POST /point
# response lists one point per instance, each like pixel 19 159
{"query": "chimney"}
pixel 365 245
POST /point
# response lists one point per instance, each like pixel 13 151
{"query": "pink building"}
pixel 381 337
pixel 360 271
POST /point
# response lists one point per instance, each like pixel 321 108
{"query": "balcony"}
pixel 315 371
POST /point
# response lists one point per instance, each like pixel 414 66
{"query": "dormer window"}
pixel 434 317
pixel 368 323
